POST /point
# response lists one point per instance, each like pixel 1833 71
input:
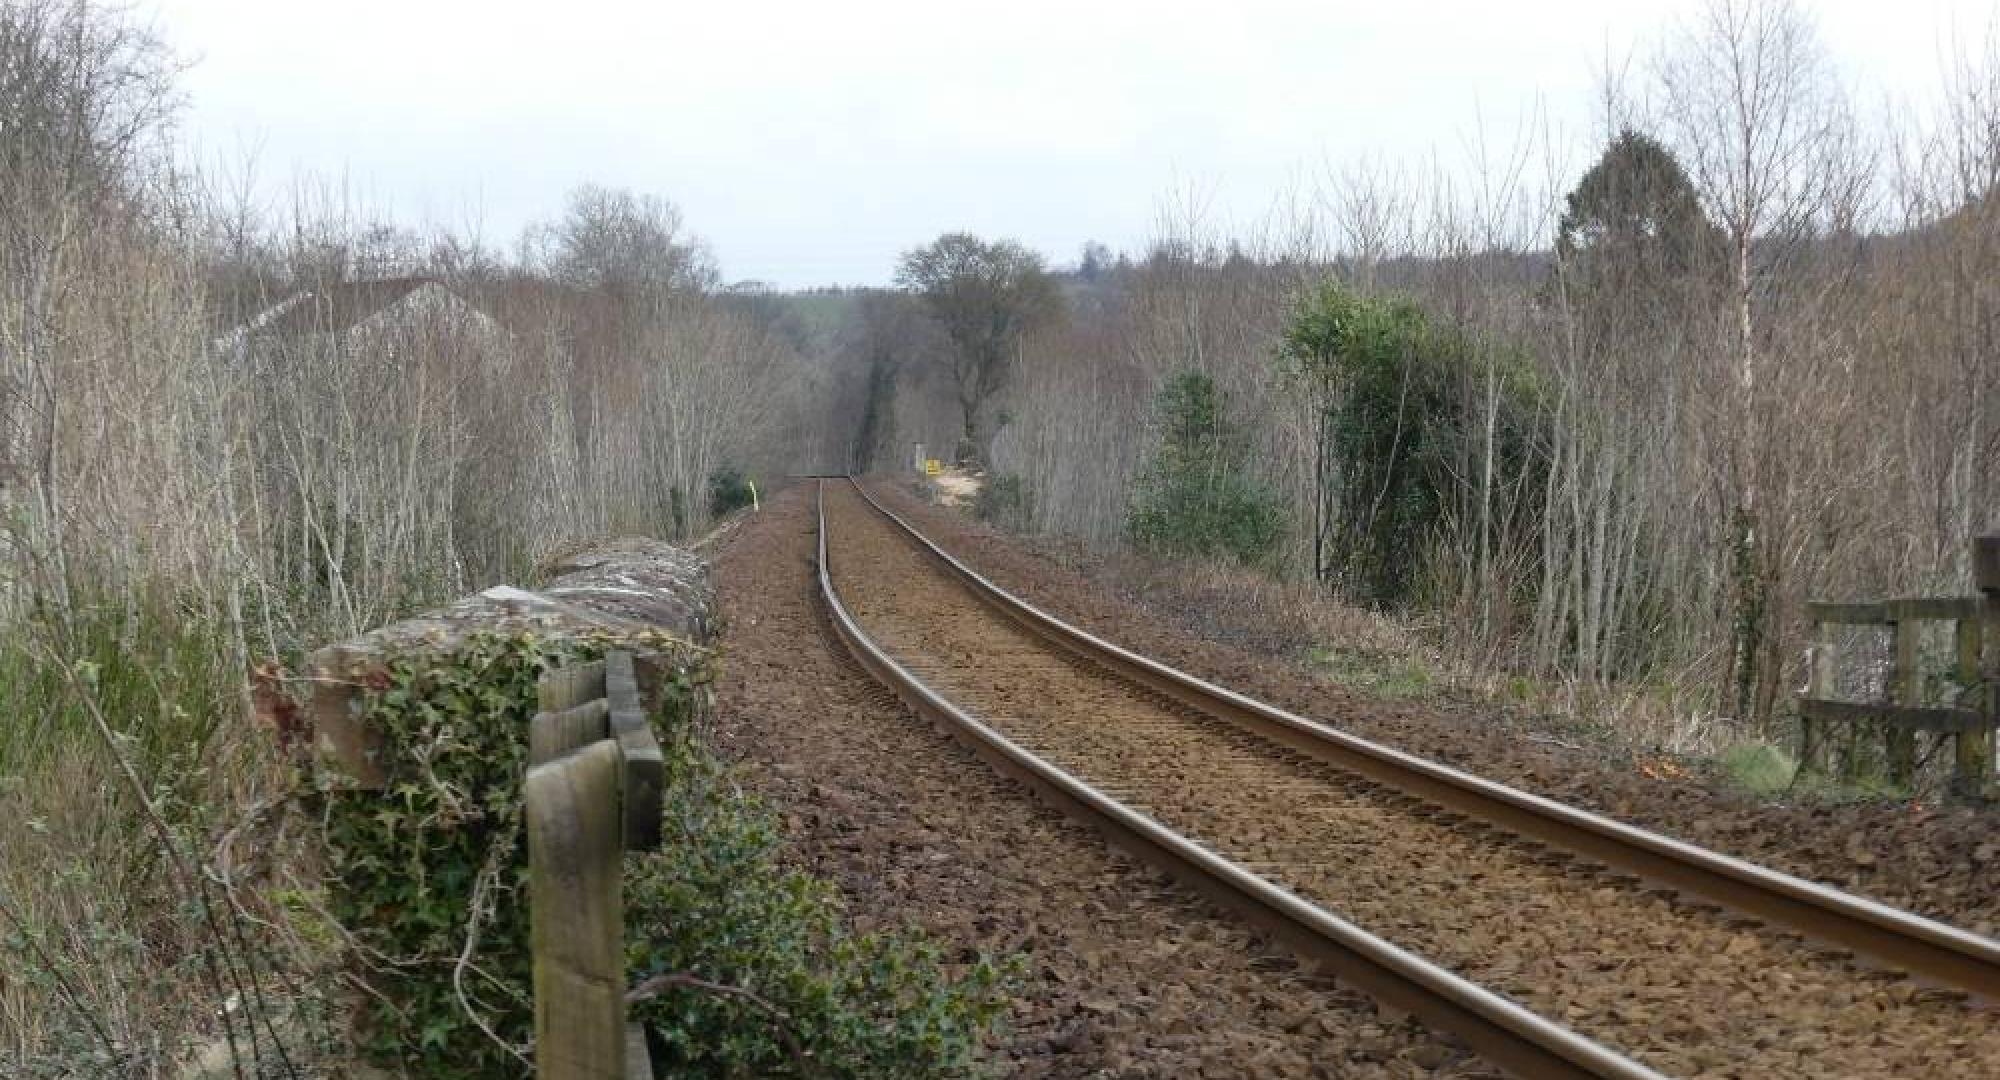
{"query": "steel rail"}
pixel 1498 1029
pixel 1925 948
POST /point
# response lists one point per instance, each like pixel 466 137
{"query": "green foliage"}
pixel 719 904
pixel 404 863
pixel 1759 768
pixel 728 491
pixel 410 865
pixel 1198 497
pixel 78 854
pixel 1395 678
pixel 1378 389
pixel 1005 500
pixel 1401 409
pixel 1634 221
pixel 161 676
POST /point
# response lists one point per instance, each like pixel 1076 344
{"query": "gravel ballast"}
pixel 1684 988
pixel 1942 862
pixel 1126 973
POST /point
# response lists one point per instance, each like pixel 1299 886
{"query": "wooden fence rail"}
pixel 592 793
pixel 1969 719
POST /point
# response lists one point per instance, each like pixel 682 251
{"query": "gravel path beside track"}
pixel 1683 988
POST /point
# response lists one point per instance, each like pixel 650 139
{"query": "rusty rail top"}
pixel 1932 950
pixel 1502 1031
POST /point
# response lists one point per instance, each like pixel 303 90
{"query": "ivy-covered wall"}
pixel 741 966
pixel 426 876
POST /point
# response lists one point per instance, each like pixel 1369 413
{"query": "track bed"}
pixel 1682 987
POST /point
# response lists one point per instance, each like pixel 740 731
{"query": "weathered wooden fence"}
pixel 592 792
pixel 1968 716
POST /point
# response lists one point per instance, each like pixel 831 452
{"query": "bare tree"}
pixel 1754 110
pixel 886 336
pixel 986 296
pixel 621 242
pixel 84 95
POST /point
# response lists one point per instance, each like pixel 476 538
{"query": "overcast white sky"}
pixel 813 142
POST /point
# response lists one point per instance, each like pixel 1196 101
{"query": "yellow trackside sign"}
pixel 933 466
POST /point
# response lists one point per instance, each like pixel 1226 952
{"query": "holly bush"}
pixel 1200 496
pixel 806 997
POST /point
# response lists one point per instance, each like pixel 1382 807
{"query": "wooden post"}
pixel 1974 770
pixel 575 855
pixel 1905 688
pixel 1819 685
pixel 553 734
pixel 1972 758
pixel 645 764
pixel 568 687
pixel 638 1059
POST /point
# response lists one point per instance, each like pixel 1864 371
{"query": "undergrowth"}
pixel 108 955
pixel 163 678
pixel 1386 677
pixel 1006 501
pixel 428 877
pixel 816 1000
pixel 754 972
pixel 1758 768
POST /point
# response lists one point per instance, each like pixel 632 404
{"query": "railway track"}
pixel 1553 941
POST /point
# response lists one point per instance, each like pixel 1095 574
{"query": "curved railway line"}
pixel 1554 942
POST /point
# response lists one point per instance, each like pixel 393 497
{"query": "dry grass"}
pixel 135 799
pixel 1249 609
pixel 1385 656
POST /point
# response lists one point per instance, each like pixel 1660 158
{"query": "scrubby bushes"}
pixel 1416 432
pixel 805 997
pixel 729 491
pixel 102 948
pixel 1199 497
pixel 1005 500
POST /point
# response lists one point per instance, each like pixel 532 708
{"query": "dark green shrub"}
pixel 829 1003
pixel 1400 408
pixel 729 490
pixel 1198 497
